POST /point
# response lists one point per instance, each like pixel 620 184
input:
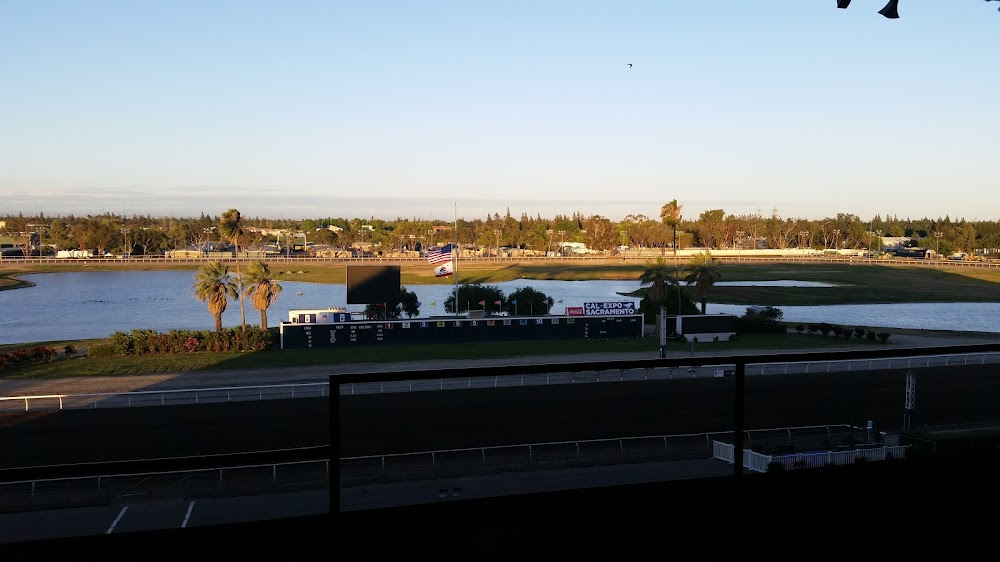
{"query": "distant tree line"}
pixel 524 235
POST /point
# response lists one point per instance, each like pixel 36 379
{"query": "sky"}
pixel 435 109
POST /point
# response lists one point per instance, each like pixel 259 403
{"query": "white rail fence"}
pixel 209 395
pixel 645 374
pixel 320 389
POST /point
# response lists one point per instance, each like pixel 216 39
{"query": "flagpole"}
pixel 454 265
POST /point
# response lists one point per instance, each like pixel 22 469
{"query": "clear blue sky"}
pixel 299 109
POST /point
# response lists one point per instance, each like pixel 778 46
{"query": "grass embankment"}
pixel 277 358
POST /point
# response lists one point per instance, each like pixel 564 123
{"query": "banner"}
pixel 622 308
pixel 444 270
pixel 574 311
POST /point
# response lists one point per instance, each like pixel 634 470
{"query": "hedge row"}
pixel 145 342
pixel 21 357
pixel 826 329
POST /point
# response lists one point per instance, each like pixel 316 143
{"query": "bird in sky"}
pixel 630 65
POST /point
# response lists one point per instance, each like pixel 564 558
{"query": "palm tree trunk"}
pixel 662 325
pixel 263 319
pixel 218 322
pixel 704 304
pixel 239 285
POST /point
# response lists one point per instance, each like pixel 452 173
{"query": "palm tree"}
pixel 214 286
pixel 658 277
pixel 231 227
pixel 703 272
pixel 261 289
pixel 670 214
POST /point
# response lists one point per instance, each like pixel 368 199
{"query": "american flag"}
pixel 439 255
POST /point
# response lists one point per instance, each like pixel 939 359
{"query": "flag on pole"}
pixel 497 302
pixel 513 302
pixel 439 254
pixel 444 270
pixel 434 303
pixel 483 303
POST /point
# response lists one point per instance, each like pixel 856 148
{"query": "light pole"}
pixel 739 237
pixel 938 235
pixel 836 240
pixel 562 241
pixel 497 232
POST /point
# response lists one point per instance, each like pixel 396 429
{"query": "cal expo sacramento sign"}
pixel 622 308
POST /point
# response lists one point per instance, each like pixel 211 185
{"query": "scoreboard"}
pixel 444 330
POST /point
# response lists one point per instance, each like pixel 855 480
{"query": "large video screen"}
pixel 372 284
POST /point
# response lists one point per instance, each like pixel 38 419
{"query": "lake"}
pixel 83 305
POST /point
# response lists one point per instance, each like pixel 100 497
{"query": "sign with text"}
pixel 574 311
pixel 621 308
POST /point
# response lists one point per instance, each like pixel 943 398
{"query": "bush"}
pixel 870 334
pixel 799 328
pixel 775 466
pixel 102 350
pixel 799 463
pixel 883 336
pixel 20 357
pixel 70 349
pixel 825 328
pixel 859 333
pixel 837 330
pixel 813 328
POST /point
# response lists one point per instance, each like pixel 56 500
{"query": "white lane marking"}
pixel 188 514
pixel 117 519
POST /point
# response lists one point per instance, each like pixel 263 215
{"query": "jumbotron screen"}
pixel 372 284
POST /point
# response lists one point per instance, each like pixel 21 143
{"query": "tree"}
pixel 261 289
pixel 527 298
pixel 230 228
pixel 406 304
pixel 658 277
pixel 214 287
pixel 703 272
pixel 472 295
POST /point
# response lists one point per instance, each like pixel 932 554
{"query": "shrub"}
pixel 799 463
pixel 870 334
pixel 102 350
pixel 825 328
pixel 775 466
pixel 859 333
pixel 837 330
pixel 799 328
pixel 813 328
pixel 847 333
pixel 883 336
pixel 70 349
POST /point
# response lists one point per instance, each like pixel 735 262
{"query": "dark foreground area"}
pixel 918 505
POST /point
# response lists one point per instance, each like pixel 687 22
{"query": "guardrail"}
pixel 562 454
pixel 209 395
pixel 696 369
pixel 226 480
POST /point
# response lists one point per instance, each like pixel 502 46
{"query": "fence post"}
pixel 274 474
pixel 664 443
pixel 433 460
pixel 383 464
pixel 531 454
pixel 195 396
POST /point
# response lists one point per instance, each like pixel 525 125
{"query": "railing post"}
pixel 274 474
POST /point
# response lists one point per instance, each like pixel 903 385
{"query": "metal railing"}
pixel 758 462
pixel 561 454
pixel 697 369
pixel 209 395
pixel 225 480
